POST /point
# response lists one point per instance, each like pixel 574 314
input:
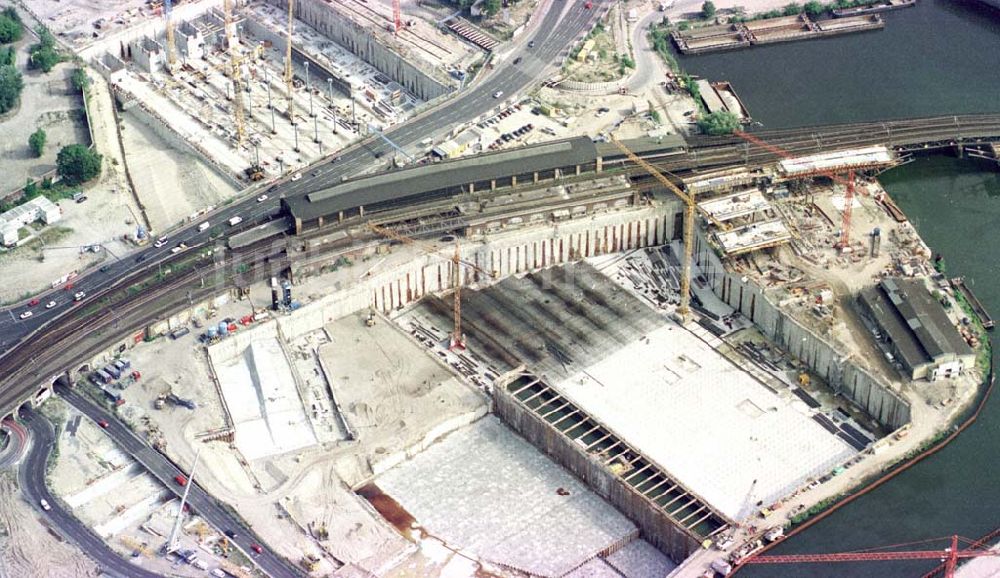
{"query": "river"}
pixel 937 58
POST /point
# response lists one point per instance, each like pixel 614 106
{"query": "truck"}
pixel 235 221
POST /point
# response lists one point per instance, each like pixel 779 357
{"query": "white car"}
pixel 26 314
pixel 498 94
pixel 261 198
pixel 179 248
pixel 79 295
pixel 160 242
pixel 45 505
pixel 50 304
pixel 296 177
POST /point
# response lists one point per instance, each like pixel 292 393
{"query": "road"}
pixel 564 21
pixel 198 499
pixel 31 478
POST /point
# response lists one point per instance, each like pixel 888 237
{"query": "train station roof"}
pixel 407 184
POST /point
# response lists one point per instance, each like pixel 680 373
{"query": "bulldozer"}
pixel 254 172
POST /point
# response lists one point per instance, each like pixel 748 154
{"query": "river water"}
pixel 937 58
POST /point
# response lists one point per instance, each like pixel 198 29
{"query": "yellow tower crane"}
pixel 684 309
pixel 457 337
pixel 236 75
pixel 171 49
pixel 288 64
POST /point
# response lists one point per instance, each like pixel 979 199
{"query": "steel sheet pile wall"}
pixel 843 376
pixel 656 527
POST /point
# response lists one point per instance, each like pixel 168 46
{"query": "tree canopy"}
pixel 11 28
pixel 492 6
pixel 43 54
pixel 718 123
pixel 814 8
pixel 11 85
pixel 708 10
pixel 76 164
pixel 37 142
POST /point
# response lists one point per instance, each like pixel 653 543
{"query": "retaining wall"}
pixel 844 377
pixel 362 42
pixel 656 527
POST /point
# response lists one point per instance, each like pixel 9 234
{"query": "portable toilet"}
pixel 223 329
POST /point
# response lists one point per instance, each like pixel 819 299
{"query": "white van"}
pixel 235 221
pixel 204 226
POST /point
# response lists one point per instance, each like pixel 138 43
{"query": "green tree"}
pixel 708 10
pixel 11 28
pixel 80 80
pixel 717 123
pixel 492 7
pixel 11 85
pixel 6 55
pixel 44 55
pixel 814 8
pixel 76 164
pixel 792 9
pixel 37 142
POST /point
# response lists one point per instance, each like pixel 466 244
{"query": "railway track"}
pixel 83 333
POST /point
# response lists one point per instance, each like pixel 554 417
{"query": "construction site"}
pixel 638 371
pixel 262 89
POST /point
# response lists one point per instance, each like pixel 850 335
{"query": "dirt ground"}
pixel 49 102
pixel 28 547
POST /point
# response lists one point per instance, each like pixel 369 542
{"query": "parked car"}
pixel 296 177
pixel 517 61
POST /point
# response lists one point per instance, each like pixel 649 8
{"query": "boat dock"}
pixel 769 31
pixel 883 6
pixel 959 284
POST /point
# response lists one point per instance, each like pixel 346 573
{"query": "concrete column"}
pixel 493 184
pixel 578 170
pixel 472 188
pixel 600 164
pixel 535 175
pixel 513 180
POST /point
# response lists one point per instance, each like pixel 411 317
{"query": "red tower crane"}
pixel 949 555
pixel 845 227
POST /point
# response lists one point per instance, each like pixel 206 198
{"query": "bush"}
pixel 792 9
pixel 708 10
pixel 80 80
pixel 37 142
pixel 11 28
pixel 718 123
pixel 814 8
pixel 6 55
pixel 492 7
pixel 11 85
pixel 77 164
pixel 43 55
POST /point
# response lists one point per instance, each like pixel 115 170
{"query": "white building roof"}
pixel 874 155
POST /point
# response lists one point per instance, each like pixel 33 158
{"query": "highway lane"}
pixel 562 23
pixel 198 499
pixel 31 478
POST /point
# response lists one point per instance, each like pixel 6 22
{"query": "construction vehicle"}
pixel 370 320
pixel 161 401
pixel 457 337
pixel 138 548
pixel 310 562
pixel 254 172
